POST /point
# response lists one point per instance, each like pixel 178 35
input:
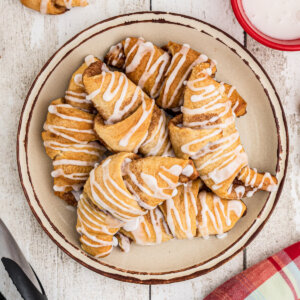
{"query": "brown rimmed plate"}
pixel 263 132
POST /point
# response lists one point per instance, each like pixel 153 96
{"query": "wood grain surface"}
pixel 28 39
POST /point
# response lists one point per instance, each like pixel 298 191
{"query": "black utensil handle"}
pixel 23 284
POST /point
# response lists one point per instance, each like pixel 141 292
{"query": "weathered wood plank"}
pixel 28 40
pixel 283 227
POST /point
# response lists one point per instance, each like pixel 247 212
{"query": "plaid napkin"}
pixel 277 277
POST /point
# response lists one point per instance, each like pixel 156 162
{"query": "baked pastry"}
pixel 217 216
pixel 70 142
pixel 144 63
pixel 206 133
pixel 125 184
pixel 152 229
pixel 181 210
pixel 96 228
pixel 187 215
pixel 141 59
pixel 53 7
pixel 118 190
pixel 75 95
pixel 128 119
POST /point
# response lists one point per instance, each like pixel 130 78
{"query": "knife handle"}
pixel 23 284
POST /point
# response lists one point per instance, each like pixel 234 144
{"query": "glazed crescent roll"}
pixel 128 119
pixel 70 141
pixel 155 179
pixel 183 60
pixel 206 133
pixel 181 210
pixel 75 95
pixel 125 185
pixel 152 229
pixel 144 63
pixel 216 216
pixel 96 228
pixel 53 7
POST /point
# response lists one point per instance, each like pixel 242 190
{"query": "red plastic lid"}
pixel 286 45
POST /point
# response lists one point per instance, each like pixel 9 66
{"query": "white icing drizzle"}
pixel 161 134
pixel 217 214
pixel 173 75
pixel 78 80
pixel 56 130
pixel 77 97
pixel 143 235
pixel 109 199
pixel 125 140
pixel 172 212
pixel 228 162
pixel 89 60
pixel 53 110
pixel 112 91
pixel 142 49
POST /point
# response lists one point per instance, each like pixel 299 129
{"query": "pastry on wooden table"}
pixel 53 7
pixel 206 133
pixel 75 95
pixel 70 141
pixel 127 120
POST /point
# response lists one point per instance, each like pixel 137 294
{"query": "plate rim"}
pixel 131 278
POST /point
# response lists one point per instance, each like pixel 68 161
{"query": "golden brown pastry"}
pixel 151 230
pixel 75 94
pixel 181 210
pixel 140 59
pixel 144 63
pixel 69 141
pixel 187 215
pixel 128 119
pixel 238 104
pixel 96 228
pixel 206 133
pixel 125 185
pixel 216 216
pixel 53 7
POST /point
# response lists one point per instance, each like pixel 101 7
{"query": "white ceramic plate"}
pixel 263 132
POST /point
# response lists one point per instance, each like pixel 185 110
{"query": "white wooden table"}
pixel 27 39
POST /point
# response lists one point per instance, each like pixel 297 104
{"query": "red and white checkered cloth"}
pixel 277 277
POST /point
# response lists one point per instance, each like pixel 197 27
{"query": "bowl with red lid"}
pixel 273 23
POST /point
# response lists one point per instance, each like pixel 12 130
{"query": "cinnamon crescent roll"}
pixel 216 216
pixel 151 230
pixel 125 185
pixel 207 134
pixel 96 228
pixel 53 7
pixel 144 63
pixel 75 94
pixel 181 210
pixel 128 119
pixel 70 142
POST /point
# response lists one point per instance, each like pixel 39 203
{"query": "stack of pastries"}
pixel 145 144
